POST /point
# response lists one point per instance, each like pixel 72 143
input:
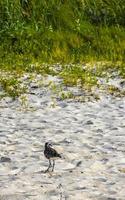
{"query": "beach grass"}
pixel 35 35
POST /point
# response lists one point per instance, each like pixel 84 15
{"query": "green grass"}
pixel 61 31
pixel 12 86
pixel 35 32
pixel 76 75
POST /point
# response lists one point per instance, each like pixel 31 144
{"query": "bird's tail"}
pixel 59 155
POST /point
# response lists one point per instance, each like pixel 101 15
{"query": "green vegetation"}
pixel 63 31
pixel 12 86
pixel 77 75
pixel 34 32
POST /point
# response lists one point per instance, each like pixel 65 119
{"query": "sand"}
pixel 90 136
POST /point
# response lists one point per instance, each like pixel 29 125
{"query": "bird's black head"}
pixel 47 144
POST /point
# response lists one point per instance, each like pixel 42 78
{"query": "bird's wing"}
pixel 54 153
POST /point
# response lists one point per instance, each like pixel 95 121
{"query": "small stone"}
pixel 5 159
pixel 122 83
pixel 33 85
pixel 89 122
pixel 99 131
pixel 78 163
pixel 81 188
pixel 105 160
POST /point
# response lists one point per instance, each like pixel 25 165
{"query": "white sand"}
pixel 90 135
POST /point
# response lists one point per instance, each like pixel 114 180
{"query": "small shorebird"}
pixel 51 154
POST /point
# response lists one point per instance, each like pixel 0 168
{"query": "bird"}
pixel 51 154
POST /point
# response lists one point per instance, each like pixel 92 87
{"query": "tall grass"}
pixel 61 31
pixel 33 32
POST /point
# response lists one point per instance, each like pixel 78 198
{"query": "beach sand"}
pixel 89 135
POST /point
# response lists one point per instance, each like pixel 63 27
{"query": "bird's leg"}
pixel 50 163
pixel 53 165
pixel 49 166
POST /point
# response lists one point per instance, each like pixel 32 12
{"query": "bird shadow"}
pixel 44 172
